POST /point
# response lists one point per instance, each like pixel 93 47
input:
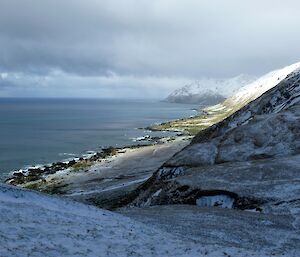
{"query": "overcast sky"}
pixel 137 48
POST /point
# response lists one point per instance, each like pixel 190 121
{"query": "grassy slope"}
pixel 212 115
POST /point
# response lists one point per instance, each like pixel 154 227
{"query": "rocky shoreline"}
pixel 35 173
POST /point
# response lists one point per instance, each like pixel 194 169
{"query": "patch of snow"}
pixel 223 201
pixel 157 193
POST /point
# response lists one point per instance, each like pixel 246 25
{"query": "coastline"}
pixel 101 178
pixel 62 129
pixel 108 177
pixel 34 172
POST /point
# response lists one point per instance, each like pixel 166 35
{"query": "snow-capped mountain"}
pixel 209 91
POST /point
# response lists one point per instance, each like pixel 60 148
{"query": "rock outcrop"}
pixel 251 142
pixel 249 161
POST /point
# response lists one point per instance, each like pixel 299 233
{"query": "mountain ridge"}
pixel 248 162
pixel 206 147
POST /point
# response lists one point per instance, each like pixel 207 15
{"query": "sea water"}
pixel 41 131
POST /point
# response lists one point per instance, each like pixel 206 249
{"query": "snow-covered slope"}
pixel 36 225
pixel 209 91
pixel 251 91
pixel 248 161
pixel 267 127
pixel 263 84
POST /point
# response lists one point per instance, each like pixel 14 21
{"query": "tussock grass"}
pixel 82 165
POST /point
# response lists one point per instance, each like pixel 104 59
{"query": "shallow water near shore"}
pixel 41 131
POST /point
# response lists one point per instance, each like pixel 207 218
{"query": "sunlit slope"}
pixel 219 112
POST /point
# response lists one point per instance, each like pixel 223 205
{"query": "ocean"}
pixel 42 131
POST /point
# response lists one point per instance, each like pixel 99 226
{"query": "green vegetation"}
pixel 34 185
pixel 82 165
pixel 192 126
pixel 45 187
pixel 213 115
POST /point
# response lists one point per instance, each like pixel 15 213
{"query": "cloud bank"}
pixel 126 48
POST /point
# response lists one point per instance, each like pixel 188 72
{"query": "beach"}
pixel 105 181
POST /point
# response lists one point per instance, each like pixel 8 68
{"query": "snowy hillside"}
pixel 265 128
pixel 209 91
pixel 255 89
pixel 35 225
pixel 247 163
pixel 263 84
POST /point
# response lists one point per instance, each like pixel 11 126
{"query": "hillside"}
pixel 248 162
pixel 263 130
pixel 33 224
pixel 216 113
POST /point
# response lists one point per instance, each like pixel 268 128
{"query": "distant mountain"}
pixel 209 91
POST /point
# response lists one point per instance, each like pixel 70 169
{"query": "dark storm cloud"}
pixel 158 38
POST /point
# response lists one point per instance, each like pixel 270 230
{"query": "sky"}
pixel 139 48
